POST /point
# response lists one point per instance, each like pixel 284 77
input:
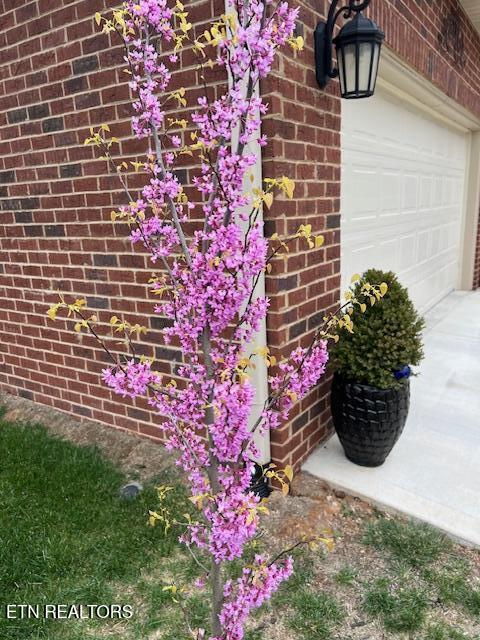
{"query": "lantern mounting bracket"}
pixel 324 38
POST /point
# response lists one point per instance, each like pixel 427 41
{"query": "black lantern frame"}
pixel 358 47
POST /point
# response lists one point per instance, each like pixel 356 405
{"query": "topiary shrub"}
pixel 386 337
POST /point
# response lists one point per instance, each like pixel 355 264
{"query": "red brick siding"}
pixel 59 76
pixel 418 33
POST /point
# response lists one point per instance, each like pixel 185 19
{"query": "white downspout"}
pixel 259 375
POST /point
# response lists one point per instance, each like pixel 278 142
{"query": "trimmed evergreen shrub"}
pixel 386 337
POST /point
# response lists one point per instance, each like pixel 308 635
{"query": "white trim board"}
pixel 396 76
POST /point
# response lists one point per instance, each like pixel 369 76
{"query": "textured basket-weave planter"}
pixel 368 420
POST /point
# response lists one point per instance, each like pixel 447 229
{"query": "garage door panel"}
pixel 426 189
pixel 407 251
pixel 399 224
pixel 402 195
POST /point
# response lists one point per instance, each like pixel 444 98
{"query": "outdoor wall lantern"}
pixel 358 50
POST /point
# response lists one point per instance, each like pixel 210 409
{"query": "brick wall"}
pixel 423 34
pixel 58 77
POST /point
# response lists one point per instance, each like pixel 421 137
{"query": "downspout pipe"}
pixel 259 375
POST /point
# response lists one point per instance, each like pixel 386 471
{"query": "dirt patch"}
pixel 312 508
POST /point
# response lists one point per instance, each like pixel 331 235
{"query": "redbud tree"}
pixel 206 281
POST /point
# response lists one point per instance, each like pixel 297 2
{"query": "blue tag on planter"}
pixel 405 372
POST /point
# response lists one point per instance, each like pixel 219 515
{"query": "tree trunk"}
pixel 216 578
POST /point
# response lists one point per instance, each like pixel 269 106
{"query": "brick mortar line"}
pixel 87 362
pixel 92 347
pixel 84 360
pixel 114 269
pixel 80 208
pixel 118 66
pixel 143 270
pixel 119 283
pixel 36 314
pixel 63 292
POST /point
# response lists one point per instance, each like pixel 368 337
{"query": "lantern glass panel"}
pixel 365 51
pixel 341 70
pixel 357 68
pixel 376 56
pixel 348 66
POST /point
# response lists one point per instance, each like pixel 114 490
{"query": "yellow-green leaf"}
pixel 52 312
pixel 288 471
pixel 300 43
pixel 268 199
pixel 289 186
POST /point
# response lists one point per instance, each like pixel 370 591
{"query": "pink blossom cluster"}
pixel 157 233
pixel 152 13
pixel 299 374
pixel 131 380
pixel 229 432
pixel 148 74
pixel 259 35
pixel 160 237
pixel 218 120
pixel 251 590
pixel 215 287
pixel 231 523
pixel 230 172
pixel 143 61
pixel 184 410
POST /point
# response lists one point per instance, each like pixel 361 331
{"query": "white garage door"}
pixel 403 175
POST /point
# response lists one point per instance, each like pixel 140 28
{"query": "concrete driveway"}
pixel 433 473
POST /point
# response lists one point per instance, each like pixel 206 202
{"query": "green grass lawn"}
pixel 66 537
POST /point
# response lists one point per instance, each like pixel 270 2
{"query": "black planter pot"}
pixel 368 420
